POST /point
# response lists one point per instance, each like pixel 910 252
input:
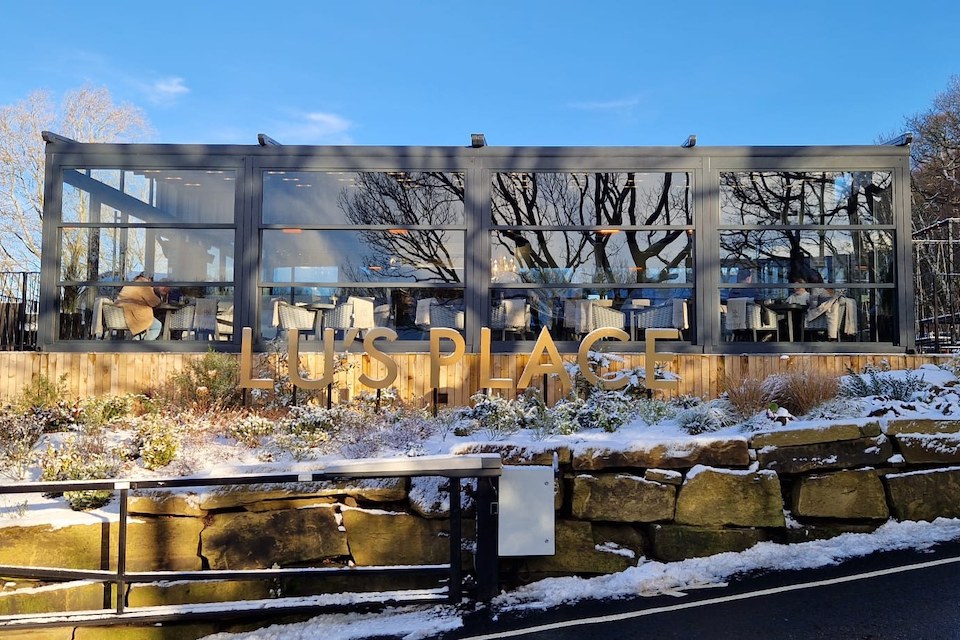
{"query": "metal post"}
pixel 456 537
pixel 122 552
pixel 485 561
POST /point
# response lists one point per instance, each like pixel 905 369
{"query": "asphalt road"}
pixel 890 596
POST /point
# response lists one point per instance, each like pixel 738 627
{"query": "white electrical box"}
pixel 527 518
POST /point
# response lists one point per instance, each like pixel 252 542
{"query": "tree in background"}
pixel 935 156
pixel 87 114
pixel 935 186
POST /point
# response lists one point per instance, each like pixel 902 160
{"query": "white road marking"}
pixel 704 603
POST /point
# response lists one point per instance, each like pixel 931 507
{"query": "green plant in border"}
pixel 80 457
pixel 157 443
pixel 212 382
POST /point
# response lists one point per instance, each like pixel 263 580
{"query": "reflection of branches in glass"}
pixel 401 199
pixel 776 198
pixel 611 200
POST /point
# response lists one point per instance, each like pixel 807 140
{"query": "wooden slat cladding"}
pixel 94 374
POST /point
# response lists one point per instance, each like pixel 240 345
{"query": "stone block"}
pixel 722 452
pixel 621 498
pixel 924 495
pixel 369 489
pixel 587 548
pixel 844 454
pixel 249 540
pixel 929 448
pixel 194 591
pixel 673 542
pixel 666 476
pixel 164 503
pixel 516 454
pixel 921 425
pixel 392 538
pixel 722 497
pixel 824 531
pixel 796 437
pixel 66 596
pixel 854 495
pixel 153 543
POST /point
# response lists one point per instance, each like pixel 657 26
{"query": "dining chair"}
pixel 294 317
pixel 181 322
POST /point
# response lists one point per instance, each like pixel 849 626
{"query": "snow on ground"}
pixel 648 578
pixel 218 456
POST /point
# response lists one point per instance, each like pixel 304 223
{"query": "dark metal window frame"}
pixel 704 164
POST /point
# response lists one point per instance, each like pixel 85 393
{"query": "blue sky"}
pixel 625 72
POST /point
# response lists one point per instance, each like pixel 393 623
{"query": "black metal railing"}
pixel 19 304
pixel 485 468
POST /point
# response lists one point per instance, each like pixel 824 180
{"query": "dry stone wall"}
pixel 665 501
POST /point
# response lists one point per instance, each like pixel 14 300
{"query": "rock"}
pixel 66 596
pixel 514 454
pixel 732 452
pixel 924 495
pixel 621 498
pixel 665 476
pixel 154 543
pixel 925 448
pixel 898 426
pixel 824 531
pixel 249 540
pixel 586 548
pixel 165 503
pixel 672 542
pixel 844 454
pixel 370 489
pixel 392 538
pixel 828 433
pixel 190 592
pixel 851 495
pixel 720 497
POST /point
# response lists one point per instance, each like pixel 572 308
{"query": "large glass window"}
pixel 807 256
pixel 175 226
pixel 354 249
pixel 591 250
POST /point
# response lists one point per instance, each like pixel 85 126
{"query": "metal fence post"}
pixel 486 559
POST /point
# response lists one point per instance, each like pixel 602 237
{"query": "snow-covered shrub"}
pixel 250 430
pixel 653 410
pixel 496 415
pixel 157 442
pixel 702 418
pixel 100 410
pixel 566 415
pixel 19 433
pixel 80 457
pixel 882 384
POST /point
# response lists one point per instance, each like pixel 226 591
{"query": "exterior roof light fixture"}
pixel 903 140
pixel 267 141
pixel 691 141
pixel 478 140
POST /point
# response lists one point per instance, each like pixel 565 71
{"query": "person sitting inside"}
pixel 800 295
pixel 137 303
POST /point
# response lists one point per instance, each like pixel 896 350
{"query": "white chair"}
pixel 340 318
pixel 224 320
pixel 672 314
pixel 363 313
pixel 422 319
pixel 833 318
pixel 511 315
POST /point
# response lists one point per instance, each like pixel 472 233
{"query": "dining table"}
pixel 793 313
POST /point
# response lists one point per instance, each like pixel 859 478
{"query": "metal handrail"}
pixel 486 468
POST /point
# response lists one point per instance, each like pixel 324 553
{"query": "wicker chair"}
pixel 181 322
pixel 442 315
pixel 340 318
pixel 114 323
pixel 603 317
pixel 294 317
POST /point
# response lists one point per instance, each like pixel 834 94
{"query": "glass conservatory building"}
pixel 742 249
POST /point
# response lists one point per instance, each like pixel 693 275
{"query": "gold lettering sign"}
pixel 544 359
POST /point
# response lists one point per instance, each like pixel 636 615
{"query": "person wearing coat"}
pixel 137 303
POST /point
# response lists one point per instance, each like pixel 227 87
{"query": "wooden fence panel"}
pixel 89 374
